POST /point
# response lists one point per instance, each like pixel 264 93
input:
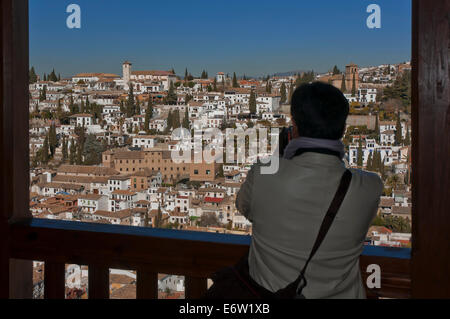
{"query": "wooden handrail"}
pixel 150 251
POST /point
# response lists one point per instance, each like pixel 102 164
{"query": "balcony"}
pixel 149 251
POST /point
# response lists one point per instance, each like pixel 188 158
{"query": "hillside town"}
pixel 101 150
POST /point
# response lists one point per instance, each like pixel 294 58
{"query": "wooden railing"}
pixel 149 251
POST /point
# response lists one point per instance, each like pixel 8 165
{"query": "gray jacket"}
pixel 286 210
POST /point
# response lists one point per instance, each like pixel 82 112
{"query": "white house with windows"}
pixel 144 141
pixel 121 199
pixel 118 183
pixel 81 119
pixel 92 202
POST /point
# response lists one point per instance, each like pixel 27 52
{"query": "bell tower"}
pixel 126 72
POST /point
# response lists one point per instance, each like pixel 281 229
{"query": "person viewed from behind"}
pixel 287 208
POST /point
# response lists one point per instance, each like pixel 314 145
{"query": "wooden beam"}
pixel 14 146
pixel 98 278
pixel 117 247
pixel 146 285
pixel 431 149
pixel 54 280
pixel 195 287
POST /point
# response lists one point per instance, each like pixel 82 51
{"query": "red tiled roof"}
pixel 213 199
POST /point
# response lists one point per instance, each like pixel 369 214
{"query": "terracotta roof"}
pixel 82 169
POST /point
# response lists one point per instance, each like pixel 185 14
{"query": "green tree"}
pixel 82 106
pixel 175 119
pixel 33 76
pixel 354 85
pixel 377 129
pixel 407 140
pixel 186 119
pixel 92 150
pixel 235 82
pixel 360 154
pixel 72 152
pixel 343 86
pixel 148 115
pixel 283 92
pixel 400 89
pixel 52 77
pixel 130 104
pixel 43 94
pixel 252 102
pixel 398 131
pixel 65 153
pixel 336 70
pixel 369 162
pixel 59 111
pixel 171 97
pixel 45 156
pixel 215 85
pixel 52 140
pixel 158 218
pixel 79 154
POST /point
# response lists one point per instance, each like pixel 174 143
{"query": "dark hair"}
pixel 319 110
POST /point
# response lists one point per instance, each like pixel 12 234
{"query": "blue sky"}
pixel 247 37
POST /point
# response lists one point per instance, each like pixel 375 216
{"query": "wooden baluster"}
pixel 98 282
pixel 54 280
pixel 146 285
pixel 195 287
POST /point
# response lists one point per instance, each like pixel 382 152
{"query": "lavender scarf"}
pixel 308 142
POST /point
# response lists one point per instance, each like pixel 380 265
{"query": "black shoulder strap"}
pixel 326 223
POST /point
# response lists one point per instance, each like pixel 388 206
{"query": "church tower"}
pixel 126 72
pixel 350 70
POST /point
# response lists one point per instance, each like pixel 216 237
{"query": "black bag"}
pixel 235 282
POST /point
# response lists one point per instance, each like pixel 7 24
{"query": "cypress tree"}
pixel 137 109
pixel 79 155
pixel 33 76
pixel 64 150
pixel 377 129
pixel 59 111
pixel 130 104
pixel 215 85
pixel 52 77
pixel 88 105
pixel 360 154
pixel 398 130
pixel 186 119
pixel 170 120
pixel 407 140
pixel 252 102
pixel 235 82
pixel 354 85
pixel 369 162
pixel 283 92
pixel 52 140
pixel 343 86
pixel 176 119
pixel 148 115
pixel 336 70
pixel 171 97
pixel 45 151
pixel 72 152
pixel 71 106
pixel 82 106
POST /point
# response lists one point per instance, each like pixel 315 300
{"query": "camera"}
pixel 284 138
